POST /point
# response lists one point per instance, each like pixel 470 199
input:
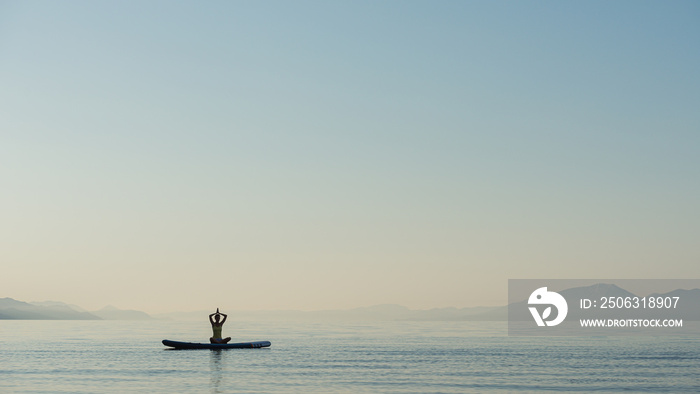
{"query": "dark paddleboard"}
pixel 192 345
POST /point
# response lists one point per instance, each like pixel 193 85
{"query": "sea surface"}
pixel 345 357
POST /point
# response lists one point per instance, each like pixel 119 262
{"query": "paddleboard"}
pixel 193 345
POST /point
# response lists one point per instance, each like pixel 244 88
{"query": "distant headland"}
pixel 11 309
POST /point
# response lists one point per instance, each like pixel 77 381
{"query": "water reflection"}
pixel 217 370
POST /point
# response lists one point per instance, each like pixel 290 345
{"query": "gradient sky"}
pixel 306 155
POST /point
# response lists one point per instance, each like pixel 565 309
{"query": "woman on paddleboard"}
pixel 217 326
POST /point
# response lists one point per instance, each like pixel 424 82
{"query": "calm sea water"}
pixel 417 357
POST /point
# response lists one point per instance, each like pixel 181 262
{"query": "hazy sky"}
pixel 307 155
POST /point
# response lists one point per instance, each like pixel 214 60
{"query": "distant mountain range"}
pixel 13 309
pixel 53 310
pixel 392 312
pixel 385 312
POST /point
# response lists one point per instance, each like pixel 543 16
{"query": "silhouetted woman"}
pixel 216 327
